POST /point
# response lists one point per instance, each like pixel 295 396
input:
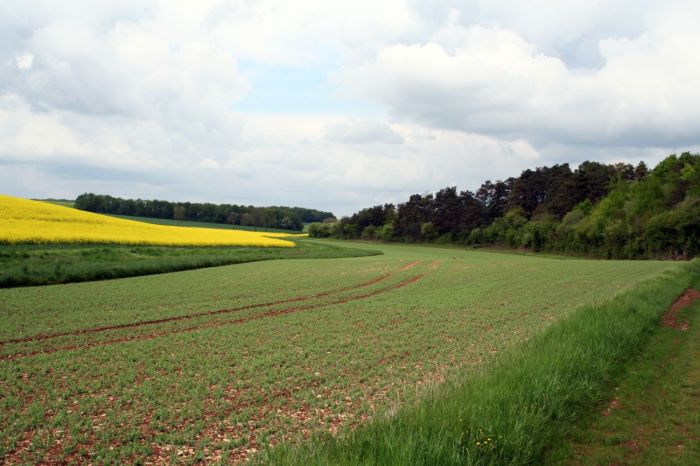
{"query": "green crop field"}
pixel 187 223
pixel 216 363
pixel 62 202
pixel 46 264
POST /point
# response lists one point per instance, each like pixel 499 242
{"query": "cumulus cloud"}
pixel 139 97
pixel 491 80
pixel 24 60
pixel 356 131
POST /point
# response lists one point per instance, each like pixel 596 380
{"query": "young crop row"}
pixel 150 329
pixel 517 409
pixel 26 221
pixel 217 364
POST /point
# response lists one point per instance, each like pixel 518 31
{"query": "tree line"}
pixel 285 218
pixel 596 210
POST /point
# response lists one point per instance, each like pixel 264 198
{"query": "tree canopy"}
pixel 598 210
pixel 285 218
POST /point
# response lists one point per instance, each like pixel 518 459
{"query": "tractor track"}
pixel 410 265
pixel 49 336
pixel 216 324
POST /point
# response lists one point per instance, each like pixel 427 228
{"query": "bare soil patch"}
pixel 670 317
pixel 410 265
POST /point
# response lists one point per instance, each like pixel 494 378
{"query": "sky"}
pixel 335 105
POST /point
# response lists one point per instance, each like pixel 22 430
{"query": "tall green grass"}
pixel 47 264
pixel 513 410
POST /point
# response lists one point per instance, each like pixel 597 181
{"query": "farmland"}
pixel 26 221
pixel 186 223
pixel 43 264
pixel 43 243
pixel 217 363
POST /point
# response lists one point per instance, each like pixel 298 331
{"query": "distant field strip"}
pixel 216 323
pixel 88 332
pixel 26 221
pixel 321 294
pixel 221 362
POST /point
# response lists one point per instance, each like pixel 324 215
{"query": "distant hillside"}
pixel 276 217
pixel 187 223
pixel 63 202
pixel 610 211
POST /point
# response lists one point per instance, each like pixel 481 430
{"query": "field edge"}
pixel 514 410
pixel 52 264
pixel 650 415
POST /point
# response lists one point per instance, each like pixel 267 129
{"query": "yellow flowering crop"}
pixel 25 221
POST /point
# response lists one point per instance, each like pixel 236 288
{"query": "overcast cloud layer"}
pixel 332 104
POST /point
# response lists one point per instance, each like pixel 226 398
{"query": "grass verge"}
pixel 652 415
pixel 513 410
pixel 27 264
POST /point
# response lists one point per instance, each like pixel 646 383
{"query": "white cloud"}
pixel 138 98
pixel 24 60
pixel 495 82
pixel 361 131
pixel 281 157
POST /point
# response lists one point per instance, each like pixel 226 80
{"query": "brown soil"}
pixel 410 265
pixel 290 404
pixel 670 317
pixel 84 331
pixel 613 405
pixel 215 324
pixel 15 457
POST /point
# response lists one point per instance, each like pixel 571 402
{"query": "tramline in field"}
pixel 217 363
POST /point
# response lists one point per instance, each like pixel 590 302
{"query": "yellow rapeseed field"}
pixel 25 221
